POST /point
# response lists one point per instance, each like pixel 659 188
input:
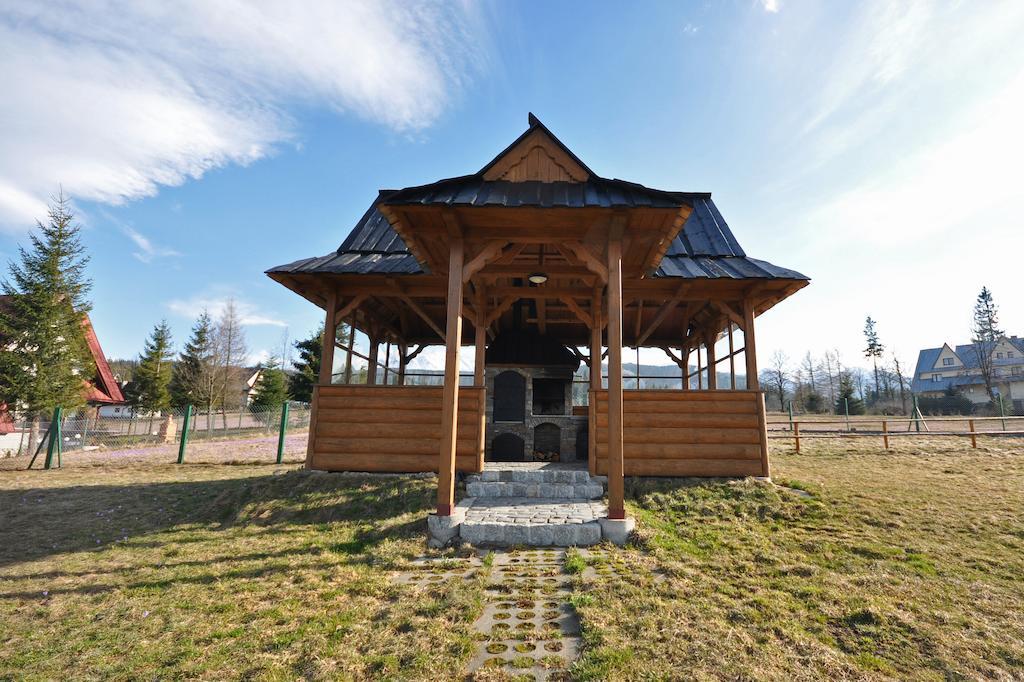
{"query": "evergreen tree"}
pixel 44 359
pixel 150 389
pixel 874 351
pixel 307 367
pixel 270 392
pixel 985 334
pixel 193 380
pixel 848 396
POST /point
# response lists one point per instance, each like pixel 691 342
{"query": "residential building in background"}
pixel 941 369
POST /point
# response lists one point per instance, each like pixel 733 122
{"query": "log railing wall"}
pixel 392 428
pixel 684 433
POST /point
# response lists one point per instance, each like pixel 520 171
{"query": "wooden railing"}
pixel 392 428
pixel 684 433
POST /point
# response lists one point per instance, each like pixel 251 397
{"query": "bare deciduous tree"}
pixel 231 353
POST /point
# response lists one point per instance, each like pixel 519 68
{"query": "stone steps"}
pixel 535 522
pixel 568 484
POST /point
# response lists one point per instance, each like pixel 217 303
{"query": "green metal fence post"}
pixel 917 415
pixel 846 409
pixel 1002 412
pixel 284 429
pixel 184 434
pixel 790 415
pixel 54 435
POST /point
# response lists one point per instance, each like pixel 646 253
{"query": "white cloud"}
pixel 114 100
pixel 249 314
pixel 147 249
pixel 771 6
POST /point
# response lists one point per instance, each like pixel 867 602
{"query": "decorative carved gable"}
pixel 536 157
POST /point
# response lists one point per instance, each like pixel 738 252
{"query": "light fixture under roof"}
pixel 537 278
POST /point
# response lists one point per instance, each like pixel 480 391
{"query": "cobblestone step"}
pixel 536 522
pixel 532 476
pixel 572 491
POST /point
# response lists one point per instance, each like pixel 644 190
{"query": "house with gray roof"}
pixel 941 369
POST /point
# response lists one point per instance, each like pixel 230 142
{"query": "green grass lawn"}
pixel 901 564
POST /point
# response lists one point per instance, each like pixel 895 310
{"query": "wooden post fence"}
pixel 885 433
pixel 281 434
pixel 184 434
pixel 796 435
pixel 974 438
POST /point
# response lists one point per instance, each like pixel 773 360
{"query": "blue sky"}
pixel 874 146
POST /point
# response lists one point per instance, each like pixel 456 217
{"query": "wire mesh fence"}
pixel 95 436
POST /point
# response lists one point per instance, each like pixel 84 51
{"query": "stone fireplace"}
pixel 529 400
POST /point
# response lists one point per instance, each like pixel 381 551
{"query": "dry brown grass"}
pixel 900 564
pixel 220 572
pixel 905 564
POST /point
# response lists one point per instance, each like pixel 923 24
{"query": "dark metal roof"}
pixel 472 190
pixel 705 248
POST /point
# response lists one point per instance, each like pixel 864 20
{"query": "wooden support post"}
pixel 371 364
pixel 796 435
pixel 326 369
pixel 974 438
pixel 616 484
pixel 709 343
pixel 403 351
pixel 732 360
pixel 387 360
pixel 762 418
pixel 450 395
pixel 595 379
pixel 885 433
pixel 684 356
pixel 479 377
pixel 480 339
pixel 327 343
pixel 700 372
pixel 749 345
pixel 348 355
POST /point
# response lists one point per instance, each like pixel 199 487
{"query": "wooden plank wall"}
pixel 685 433
pixel 392 428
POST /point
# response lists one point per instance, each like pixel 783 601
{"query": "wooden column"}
pixel 749 345
pixel 753 384
pixel 450 395
pixel 326 368
pixel 348 355
pixel 479 378
pixel 684 354
pixel 595 379
pixel 616 485
pixel 709 344
pixel 327 343
pixel 480 339
pixel 371 364
pixel 732 360
pixel 403 350
pixel 595 342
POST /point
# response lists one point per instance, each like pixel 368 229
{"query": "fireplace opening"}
pixel 547 442
pixel 549 396
pixel 508 447
pixel 509 397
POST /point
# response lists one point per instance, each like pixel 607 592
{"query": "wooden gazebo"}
pixel 604 263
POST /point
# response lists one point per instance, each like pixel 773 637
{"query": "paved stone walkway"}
pixel 528 629
pixel 528 625
pixel 536 522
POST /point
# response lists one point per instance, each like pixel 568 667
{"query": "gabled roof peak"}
pixel 537 154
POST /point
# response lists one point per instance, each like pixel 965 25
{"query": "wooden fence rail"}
pixel 799 430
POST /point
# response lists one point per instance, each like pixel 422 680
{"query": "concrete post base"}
pixel 617 531
pixel 444 530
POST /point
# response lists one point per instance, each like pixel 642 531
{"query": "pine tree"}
pixel 193 380
pixel 873 350
pixel 307 367
pixel 848 399
pixel 44 359
pixel 150 390
pixel 270 392
pixel 985 334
